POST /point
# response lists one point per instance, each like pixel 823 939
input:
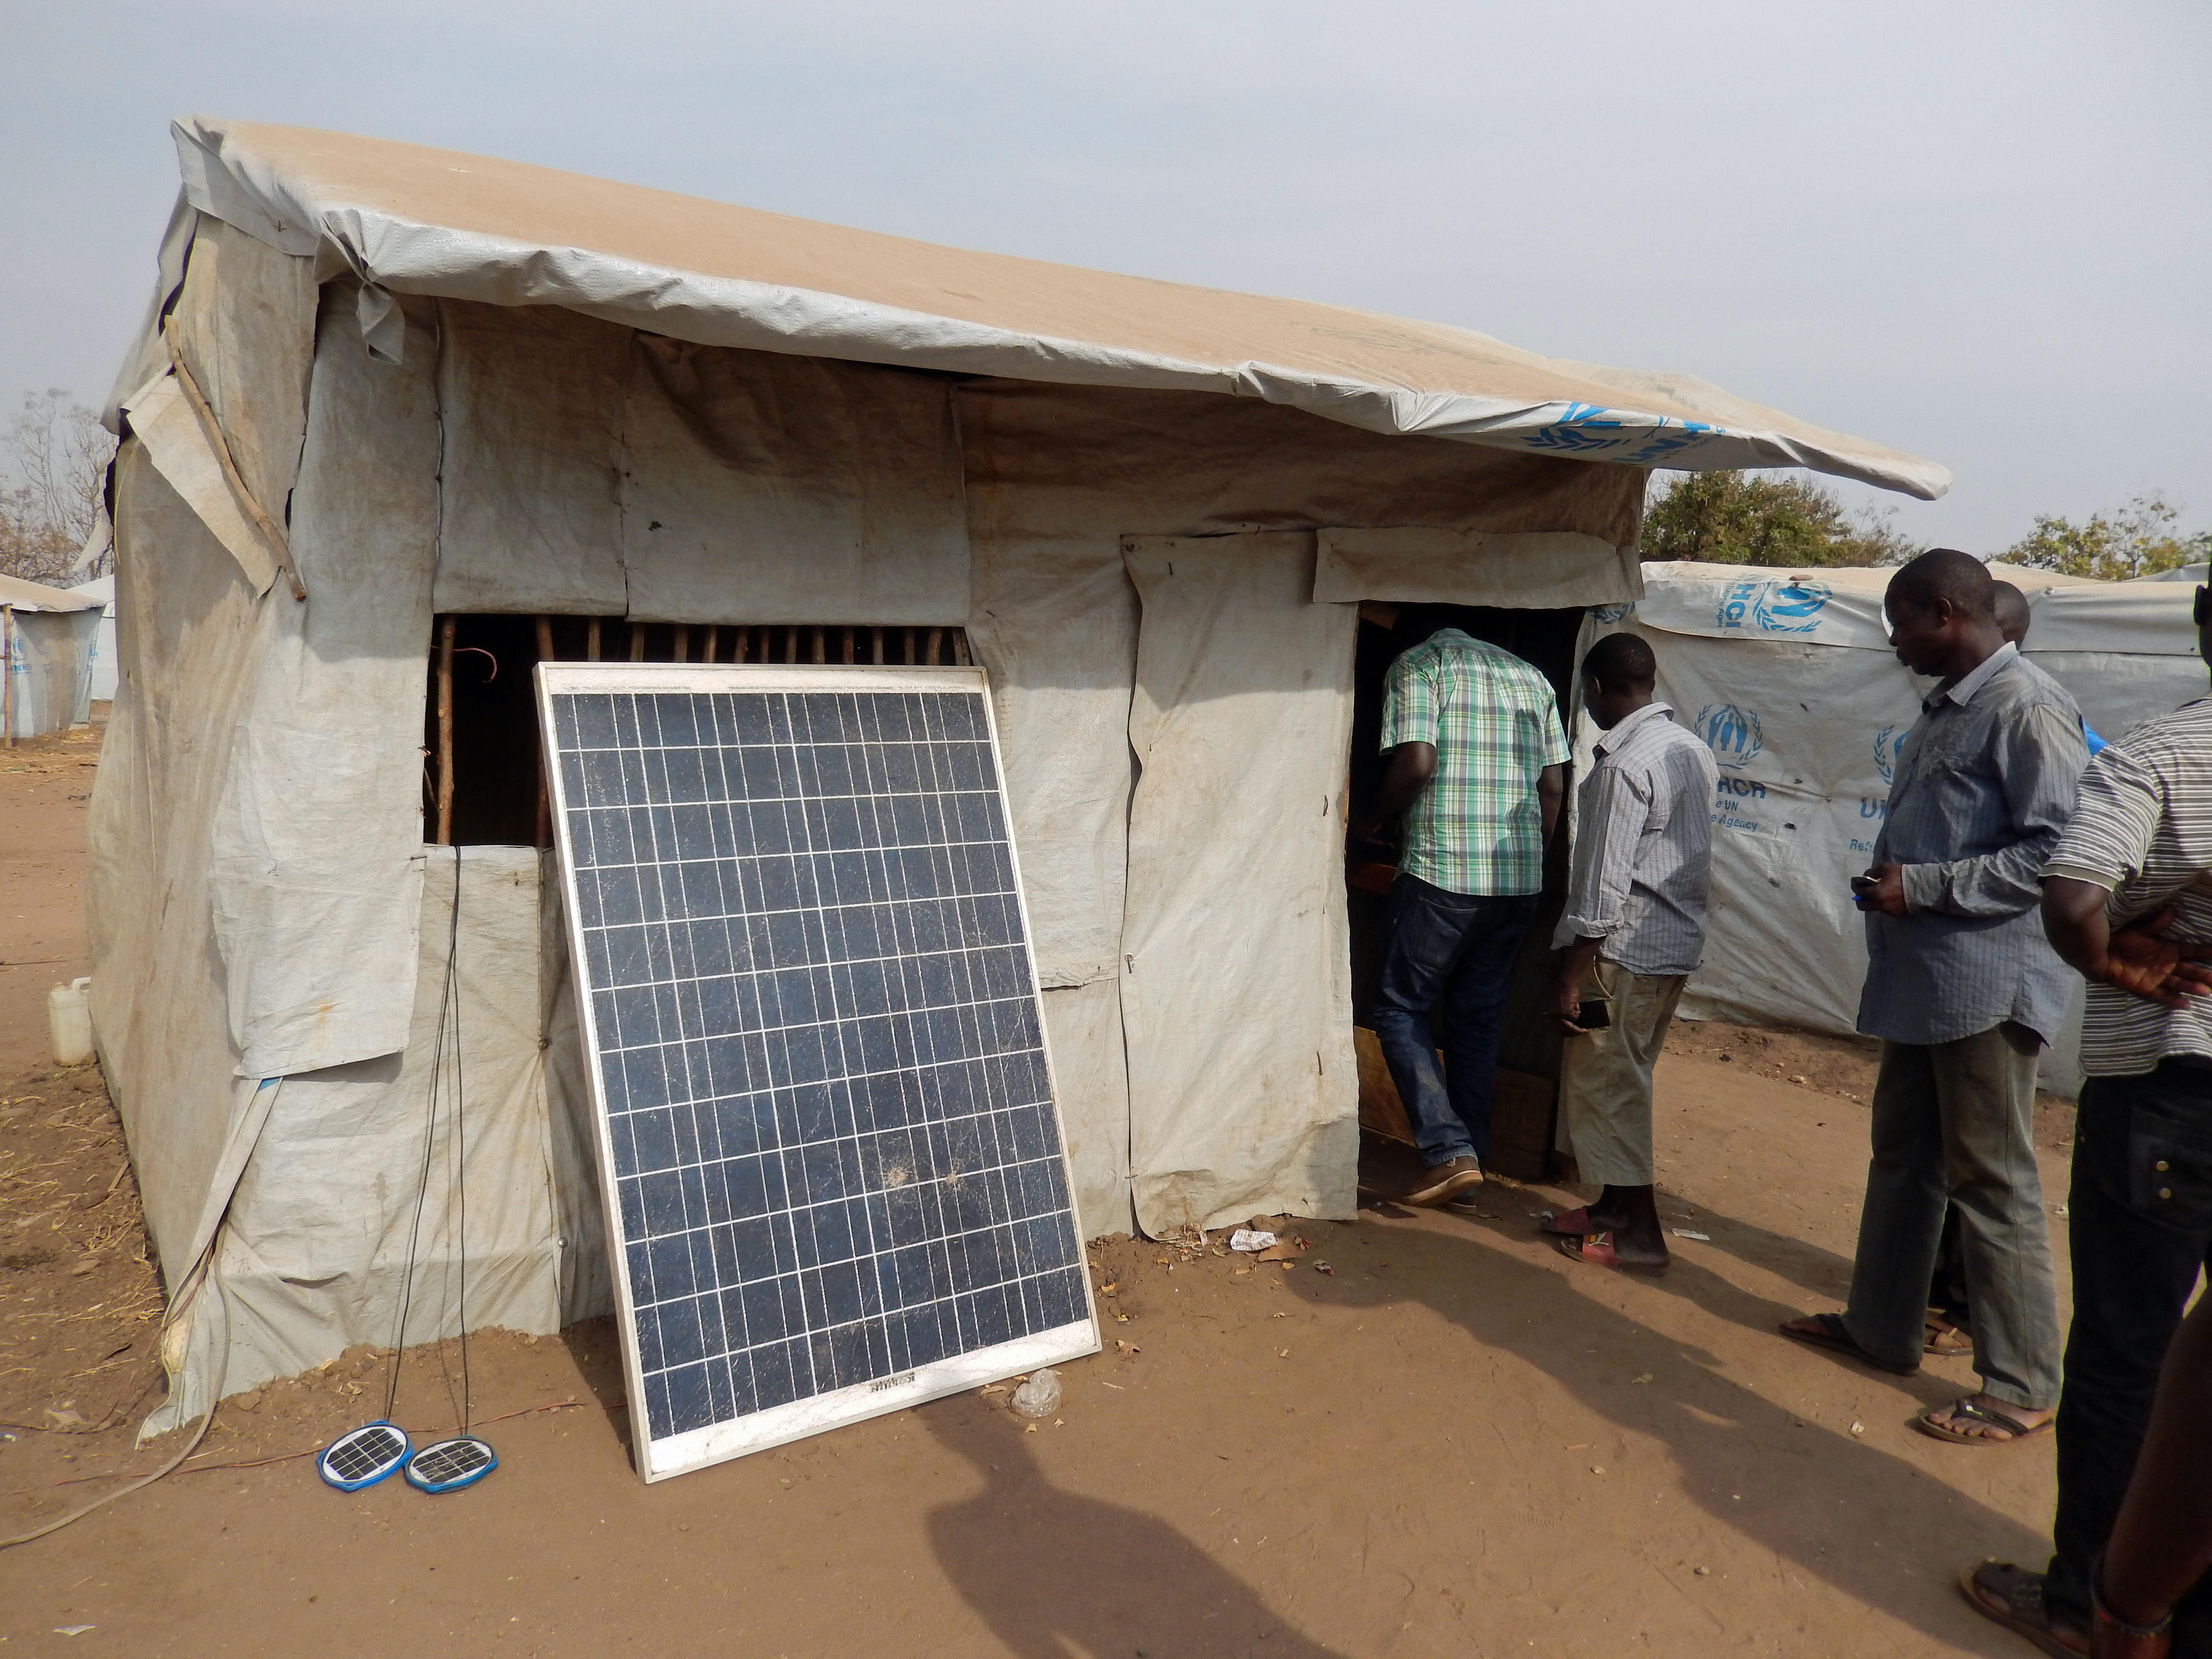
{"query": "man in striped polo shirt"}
pixel 2127 901
pixel 1476 774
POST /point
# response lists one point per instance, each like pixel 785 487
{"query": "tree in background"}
pixel 1756 518
pixel 54 459
pixel 2137 539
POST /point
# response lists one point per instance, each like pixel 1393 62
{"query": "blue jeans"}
pixel 1444 967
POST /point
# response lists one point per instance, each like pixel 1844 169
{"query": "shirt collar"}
pixel 1963 690
pixel 1608 741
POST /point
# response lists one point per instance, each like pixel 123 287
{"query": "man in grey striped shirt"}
pixel 2127 900
pixel 1633 931
pixel 1964 991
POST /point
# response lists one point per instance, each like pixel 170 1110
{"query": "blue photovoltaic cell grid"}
pixel 833 1134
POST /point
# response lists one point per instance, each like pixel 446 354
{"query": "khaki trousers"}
pixel 1605 1076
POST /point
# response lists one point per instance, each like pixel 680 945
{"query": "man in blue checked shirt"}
pixel 1476 774
pixel 1964 991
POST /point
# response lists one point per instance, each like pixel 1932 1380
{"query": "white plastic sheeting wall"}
pixel 104 672
pixel 49 665
pixel 321 1236
pixel 1236 991
pixel 1789 675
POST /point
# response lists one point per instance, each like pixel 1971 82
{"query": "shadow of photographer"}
pixel 1053 1572
pixel 1846 1512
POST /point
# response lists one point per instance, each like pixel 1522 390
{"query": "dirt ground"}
pixel 1428 1435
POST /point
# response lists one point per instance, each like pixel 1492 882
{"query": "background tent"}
pixel 1790 676
pixel 49 642
pixel 103 654
pixel 390 397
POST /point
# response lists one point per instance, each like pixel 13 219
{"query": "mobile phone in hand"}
pixel 1592 1016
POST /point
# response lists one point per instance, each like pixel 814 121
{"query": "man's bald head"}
pixel 2012 613
pixel 1946 573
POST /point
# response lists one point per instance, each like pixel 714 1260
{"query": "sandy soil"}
pixel 1428 1435
pixel 43 786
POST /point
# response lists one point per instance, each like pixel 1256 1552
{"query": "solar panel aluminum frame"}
pixel 657 1460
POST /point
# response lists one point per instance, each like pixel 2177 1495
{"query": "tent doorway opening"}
pixel 1522 1115
pixel 484 777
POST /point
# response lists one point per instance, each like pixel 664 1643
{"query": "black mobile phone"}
pixel 1593 1016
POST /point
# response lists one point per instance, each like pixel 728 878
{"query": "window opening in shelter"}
pixel 484 776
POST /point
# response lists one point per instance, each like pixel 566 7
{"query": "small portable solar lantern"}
pixel 363 1456
pixel 449 1465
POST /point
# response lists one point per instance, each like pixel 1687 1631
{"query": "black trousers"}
pixel 2140 1229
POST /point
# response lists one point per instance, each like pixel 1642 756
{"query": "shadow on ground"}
pixel 1843 1510
pixel 1053 1572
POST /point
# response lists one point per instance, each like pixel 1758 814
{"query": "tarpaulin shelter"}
pixel 1790 676
pixel 47 640
pixel 102 588
pixel 388 396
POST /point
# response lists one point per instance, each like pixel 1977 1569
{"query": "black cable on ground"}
pixel 209 1285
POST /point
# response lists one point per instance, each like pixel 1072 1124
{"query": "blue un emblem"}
pixel 1773 607
pixel 1888 747
pixel 1732 734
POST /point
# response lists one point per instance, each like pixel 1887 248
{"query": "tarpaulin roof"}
pixel 413 219
pixel 36 596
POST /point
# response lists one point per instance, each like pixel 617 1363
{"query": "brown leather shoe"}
pixel 1441 1183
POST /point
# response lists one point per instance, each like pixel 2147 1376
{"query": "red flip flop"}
pixel 1574 1223
pixel 1596 1249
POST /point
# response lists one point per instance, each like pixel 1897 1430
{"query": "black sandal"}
pixel 1833 1338
pixel 2013 1596
pixel 2015 1430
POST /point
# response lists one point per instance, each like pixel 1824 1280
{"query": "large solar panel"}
pixel 834 1174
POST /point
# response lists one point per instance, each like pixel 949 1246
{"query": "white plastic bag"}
pixel 1040 1395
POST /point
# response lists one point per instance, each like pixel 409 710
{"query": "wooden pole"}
pixel 591 640
pixel 876 644
pixel 636 642
pixel 682 643
pixel 545 797
pixel 446 731
pixel 713 639
pixel 936 640
pixel 845 644
pixel 204 413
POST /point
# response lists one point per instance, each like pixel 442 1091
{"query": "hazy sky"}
pixel 1979 231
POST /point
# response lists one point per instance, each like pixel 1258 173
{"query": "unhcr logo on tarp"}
pixel 1732 734
pixel 1791 606
pixel 1888 749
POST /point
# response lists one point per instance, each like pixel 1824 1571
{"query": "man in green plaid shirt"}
pixel 1476 774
